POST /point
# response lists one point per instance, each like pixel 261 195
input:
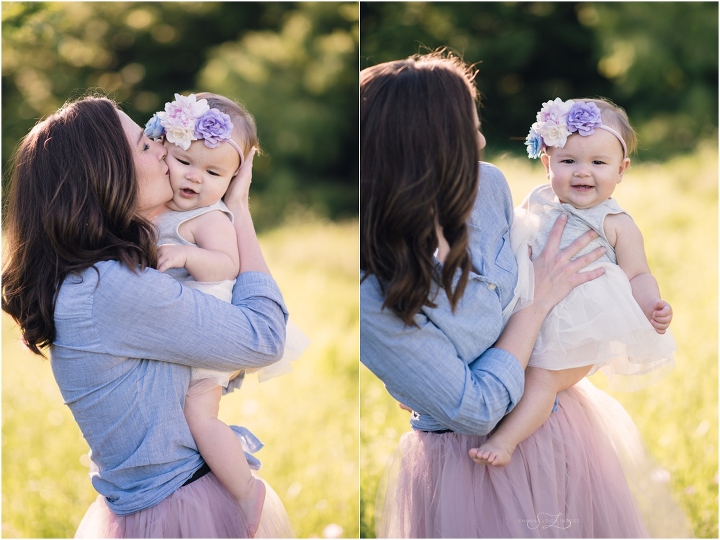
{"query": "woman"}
pixel 78 277
pixel 438 273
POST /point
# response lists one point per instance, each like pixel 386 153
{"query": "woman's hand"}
pixel 238 192
pixel 556 274
pixel 404 407
pixel 237 199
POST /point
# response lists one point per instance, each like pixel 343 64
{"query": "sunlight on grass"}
pixel 307 419
pixel 675 205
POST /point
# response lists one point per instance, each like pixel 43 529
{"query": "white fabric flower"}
pixel 553 134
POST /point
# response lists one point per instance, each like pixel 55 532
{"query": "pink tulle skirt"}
pixel 202 509
pixel 583 474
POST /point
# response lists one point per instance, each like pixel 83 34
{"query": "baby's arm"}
pixel 631 258
pixel 214 258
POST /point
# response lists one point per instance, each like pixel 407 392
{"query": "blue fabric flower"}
pixel 534 143
pixel 154 128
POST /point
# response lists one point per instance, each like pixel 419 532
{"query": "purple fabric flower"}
pixel 583 118
pixel 534 143
pixel 154 128
pixel 213 126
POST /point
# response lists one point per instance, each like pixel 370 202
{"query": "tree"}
pixel 142 53
pixel 657 60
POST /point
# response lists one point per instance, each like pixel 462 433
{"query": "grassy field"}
pixel 308 419
pixel 675 205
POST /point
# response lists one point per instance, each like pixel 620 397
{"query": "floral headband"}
pixel 559 119
pixel 187 119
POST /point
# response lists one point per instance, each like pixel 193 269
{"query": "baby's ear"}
pixel 546 161
pixel 623 167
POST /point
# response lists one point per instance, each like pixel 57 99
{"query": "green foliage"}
pixel 308 419
pixel 293 65
pixel 658 60
pixel 675 205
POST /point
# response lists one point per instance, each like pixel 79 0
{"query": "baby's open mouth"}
pixel 582 187
pixel 188 192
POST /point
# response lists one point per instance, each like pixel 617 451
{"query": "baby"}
pixel 618 322
pixel 207 137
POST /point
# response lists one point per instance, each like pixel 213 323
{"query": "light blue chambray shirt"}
pixel 122 355
pixel 446 370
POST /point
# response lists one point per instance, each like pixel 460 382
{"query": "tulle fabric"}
pixel 565 481
pixel 295 344
pixel 202 509
pixel 599 323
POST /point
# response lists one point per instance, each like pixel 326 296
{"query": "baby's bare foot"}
pixel 252 506
pixel 493 452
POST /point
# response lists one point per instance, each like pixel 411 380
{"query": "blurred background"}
pixel 295 67
pixel 658 60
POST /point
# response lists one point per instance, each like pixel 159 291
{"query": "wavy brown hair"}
pixel 419 153
pixel 72 203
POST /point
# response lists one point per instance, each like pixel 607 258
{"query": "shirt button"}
pixel 492 286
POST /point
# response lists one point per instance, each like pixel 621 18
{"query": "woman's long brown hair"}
pixel 72 203
pixel 419 153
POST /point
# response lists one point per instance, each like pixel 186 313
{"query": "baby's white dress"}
pixel 203 379
pixel 599 323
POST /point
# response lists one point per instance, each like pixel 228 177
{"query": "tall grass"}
pixel 308 419
pixel 675 205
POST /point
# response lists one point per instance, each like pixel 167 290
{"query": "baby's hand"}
pixel 661 315
pixel 171 256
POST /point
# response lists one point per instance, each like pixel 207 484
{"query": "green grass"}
pixel 307 419
pixel 675 205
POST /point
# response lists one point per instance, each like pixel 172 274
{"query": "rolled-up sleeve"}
pixel 421 368
pixel 446 368
pixel 150 315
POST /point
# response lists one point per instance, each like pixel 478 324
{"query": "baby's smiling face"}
pixel 199 176
pixel 586 170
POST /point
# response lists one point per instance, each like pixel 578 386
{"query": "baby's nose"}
pixel 581 171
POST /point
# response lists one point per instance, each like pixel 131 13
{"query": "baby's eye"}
pixel 146 147
pixel 598 162
pixel 568 160
pixel 182 161
pixel 213 173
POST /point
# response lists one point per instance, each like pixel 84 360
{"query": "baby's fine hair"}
pixel 244 128
pixel 615 116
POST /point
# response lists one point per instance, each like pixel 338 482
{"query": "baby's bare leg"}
pixel 535 406
pixel 224 454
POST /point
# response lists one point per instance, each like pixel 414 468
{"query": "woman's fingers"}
pixel 578 244
pixel 239 188
pixel 584 277
pixel 553 241
pixel 584 260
